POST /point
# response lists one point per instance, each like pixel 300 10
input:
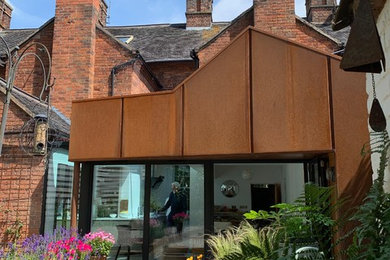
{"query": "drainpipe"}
pixel 131 62
pixel 194 56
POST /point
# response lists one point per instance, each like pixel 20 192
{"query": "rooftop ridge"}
pixel 154 25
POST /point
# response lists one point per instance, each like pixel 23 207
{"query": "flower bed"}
pixel 60 245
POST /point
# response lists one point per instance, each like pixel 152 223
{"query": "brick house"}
pixel 93 60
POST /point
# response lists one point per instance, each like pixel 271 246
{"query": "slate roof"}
pixel 165 42
pixel 162 42
pixel 34 107
pixel 341 35
pixel 15 37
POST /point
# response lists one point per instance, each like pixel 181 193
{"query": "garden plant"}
pixel 62 244
pixel 371 237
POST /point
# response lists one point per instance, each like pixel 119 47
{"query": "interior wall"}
pixel 289 176
pixel 197 199
pixel 294 181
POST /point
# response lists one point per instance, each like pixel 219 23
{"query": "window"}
pixel 59 191
pixel 117 202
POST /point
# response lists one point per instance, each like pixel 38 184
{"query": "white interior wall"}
pixel 382 82
pixel 294 181
pixel 289 176
pixel 197 199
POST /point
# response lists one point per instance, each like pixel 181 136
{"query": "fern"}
pixel 246 242
pixel 372 235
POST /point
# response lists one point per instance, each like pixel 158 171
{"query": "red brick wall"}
pixel 198 20
pixel 280 25
pixel 109 53
pixel 225 38
pixel 276 16
pixel 170 74
pixel 29 76
pixel 103 13
pixel 205 6
pixel 131 80
pixel 21 180
pixel 321 14
pixel 312 38
pixel 201 17
pixel 5 14
pixel 74 51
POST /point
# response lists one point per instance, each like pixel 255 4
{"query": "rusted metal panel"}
pixel 350 122
pixel 96 130
pixel 152 125
pixel 290 97
pixel 216 104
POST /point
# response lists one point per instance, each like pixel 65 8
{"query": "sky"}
pixel 34 13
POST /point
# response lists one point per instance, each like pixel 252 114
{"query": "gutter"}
pixel 131 62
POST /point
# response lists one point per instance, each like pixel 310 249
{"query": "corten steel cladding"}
pixel 152 125
pixel 214 113
pixel 216 104
pixel 350 122
pixel 96 130
pixel 290 97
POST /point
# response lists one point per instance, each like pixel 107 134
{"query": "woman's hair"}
pixel 176 184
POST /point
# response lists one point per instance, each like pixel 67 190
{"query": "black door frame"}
pixel 86 192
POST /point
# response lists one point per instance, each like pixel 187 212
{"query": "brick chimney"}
pixel 74 50
pixel 275 16
pixel 199 14
pixel 320 11
pixel 5 15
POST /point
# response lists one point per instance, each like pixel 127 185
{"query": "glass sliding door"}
pixel 176 211
pixel 118 203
